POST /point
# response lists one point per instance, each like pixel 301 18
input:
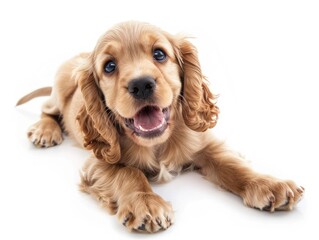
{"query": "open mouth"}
pixel 149 122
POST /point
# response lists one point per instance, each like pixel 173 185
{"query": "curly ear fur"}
pixel 198 103
pixel 95 119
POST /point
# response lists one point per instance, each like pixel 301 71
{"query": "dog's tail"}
pixel 41 92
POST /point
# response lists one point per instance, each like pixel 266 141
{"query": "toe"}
pixel 271 205
pixel 127 218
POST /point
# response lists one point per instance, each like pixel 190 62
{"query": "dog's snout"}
pixel 142 88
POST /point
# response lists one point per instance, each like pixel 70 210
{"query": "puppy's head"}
pixel 141 77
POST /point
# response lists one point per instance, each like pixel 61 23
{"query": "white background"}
pixel 262 57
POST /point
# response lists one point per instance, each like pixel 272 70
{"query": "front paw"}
pixel 145 212
pixel 45 133
pixel 270 194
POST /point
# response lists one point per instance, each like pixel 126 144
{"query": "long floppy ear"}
pixel 95 119
pixel 198 102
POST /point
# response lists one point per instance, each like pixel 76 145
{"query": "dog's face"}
pixel 139 77
pixel 145 81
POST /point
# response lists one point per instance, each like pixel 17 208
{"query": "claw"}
pixel 267 208
pixel 271 206
pixel 301 189
pixel 127 218
pixel 169 221
pixel 142 227
pixel 159 222
pixel 290 194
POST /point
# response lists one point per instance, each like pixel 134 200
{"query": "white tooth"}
pixel 157 127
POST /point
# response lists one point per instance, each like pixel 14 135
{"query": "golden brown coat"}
pixel 99 111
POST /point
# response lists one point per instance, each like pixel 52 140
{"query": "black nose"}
pixel 142 88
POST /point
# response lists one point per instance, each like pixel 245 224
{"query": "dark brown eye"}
pixel 109 66
pixel 159 55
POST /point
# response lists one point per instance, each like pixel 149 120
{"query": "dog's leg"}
pixel 47 132
pixel 126 192
pixel 230 171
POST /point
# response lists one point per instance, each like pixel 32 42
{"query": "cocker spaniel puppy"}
pixel 140 103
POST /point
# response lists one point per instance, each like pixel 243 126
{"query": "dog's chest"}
pixel 165 173
pixel 163 162
pixel 167 164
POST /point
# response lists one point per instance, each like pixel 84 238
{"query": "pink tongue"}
pixel 148 118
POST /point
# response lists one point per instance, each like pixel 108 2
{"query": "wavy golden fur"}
pixel 95 119
pixel 140 103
